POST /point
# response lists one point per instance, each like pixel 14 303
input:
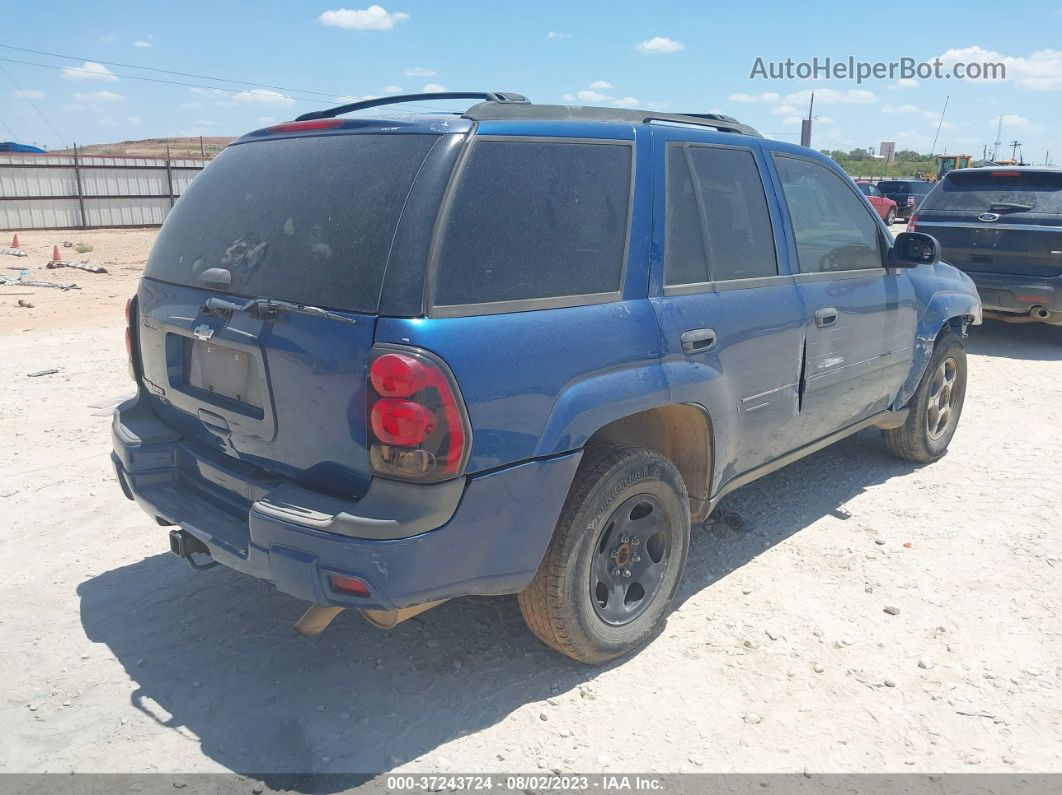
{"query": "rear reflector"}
pixel 350 585
pixel 300 126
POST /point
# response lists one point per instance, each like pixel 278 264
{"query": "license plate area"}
pixel 225 372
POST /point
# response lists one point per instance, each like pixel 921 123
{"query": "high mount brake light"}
pixel 417 421
pixel 301 126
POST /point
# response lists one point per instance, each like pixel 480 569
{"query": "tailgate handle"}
pixel 215 423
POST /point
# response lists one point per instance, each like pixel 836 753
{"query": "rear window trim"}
pixel 434 310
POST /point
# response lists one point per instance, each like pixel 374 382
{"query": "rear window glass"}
pixel 999 191
pixel 896 187
pixel 309 220
pixel 533 220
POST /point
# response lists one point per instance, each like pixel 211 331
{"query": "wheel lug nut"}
pixel 615 572
pixel 637 559
pixel 636 541
pixel 624 539
pixel 626 572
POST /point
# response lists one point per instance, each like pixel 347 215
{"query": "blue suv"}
pixel 383 362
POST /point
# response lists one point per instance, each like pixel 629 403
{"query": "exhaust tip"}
pixel 1039 313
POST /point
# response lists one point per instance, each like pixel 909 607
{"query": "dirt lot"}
pixel 779 655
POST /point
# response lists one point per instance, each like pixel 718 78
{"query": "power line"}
pixel 9 130
pixel 26 97
pixel 169 71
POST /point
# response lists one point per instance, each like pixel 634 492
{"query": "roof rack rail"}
pixel 498 97
pixel 492 111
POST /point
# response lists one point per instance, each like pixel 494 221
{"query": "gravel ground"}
pixel 849 613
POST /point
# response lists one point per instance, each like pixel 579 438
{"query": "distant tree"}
pixel 858 154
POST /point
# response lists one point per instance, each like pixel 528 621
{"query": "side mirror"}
pixel 911 249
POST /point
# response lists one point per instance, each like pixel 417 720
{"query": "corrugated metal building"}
pixel 67 192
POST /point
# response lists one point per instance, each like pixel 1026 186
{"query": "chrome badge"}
pixel 988 217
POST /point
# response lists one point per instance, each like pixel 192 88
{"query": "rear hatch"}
pixel 998 221
pixel 270 369
pixel 900 191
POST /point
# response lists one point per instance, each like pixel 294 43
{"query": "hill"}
pixel 156 147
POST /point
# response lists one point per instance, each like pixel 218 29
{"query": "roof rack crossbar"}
pixel 486 96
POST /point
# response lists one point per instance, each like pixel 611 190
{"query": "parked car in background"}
pixel 515 350
pixel 907 193
pixel 1003 226
pixel 886 208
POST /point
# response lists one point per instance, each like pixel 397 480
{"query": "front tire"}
pixel 935 407
pixel 616 557
pixel 890 217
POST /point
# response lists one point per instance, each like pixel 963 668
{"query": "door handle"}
pixel 698 340
pixel 826 317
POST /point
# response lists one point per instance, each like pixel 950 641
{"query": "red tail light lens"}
pixel 912 222
pixel 299 126
pixel 401 422
pixel 418 428
pixel 350 585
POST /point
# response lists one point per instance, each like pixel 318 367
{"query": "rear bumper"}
pixel 484 534
pixel 1012 293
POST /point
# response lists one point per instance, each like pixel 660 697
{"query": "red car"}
pixel 885 206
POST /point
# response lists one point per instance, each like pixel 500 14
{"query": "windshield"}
pixel 998 191
pixel 306 219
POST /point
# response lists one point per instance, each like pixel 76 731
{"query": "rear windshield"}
pixel 888 186
pixel 999 191
pixel 309 220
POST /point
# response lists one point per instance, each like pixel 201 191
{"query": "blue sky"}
pixel 675 56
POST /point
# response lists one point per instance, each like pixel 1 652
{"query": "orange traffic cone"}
pixel 55 254
pixel 14 242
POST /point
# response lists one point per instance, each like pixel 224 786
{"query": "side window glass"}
pixel 834 230
pixel 718 226
pixel 740 237
pixel 685 260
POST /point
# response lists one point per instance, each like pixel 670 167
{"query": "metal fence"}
pixel 78 191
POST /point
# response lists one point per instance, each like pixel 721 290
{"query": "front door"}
pixel 860 316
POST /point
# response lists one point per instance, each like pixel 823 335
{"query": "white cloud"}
pixel 659 45
pixel 1012 121
pixel 433 88
pixel 73 108
pixel 586 95
pixel 108 37
pixel 903 83
pixel 106 121
pixel 28 93
pixel 766 96
pixel 911 139
pixel 372 18
pixel 555 34
pixel 831 96
pixel 887 108
pixel 266 120
pixel 208 91
pixel 785 110
pixel 89 70
pixel 97 96
pixel 1040 71
pixel 263 95
pixel 392 89
pixel 568 98
pixel 625 102
pixel 141 43
pixel 657 105
pixel 132 120
pixel 601 85
pixel 191 104
pixel 420 71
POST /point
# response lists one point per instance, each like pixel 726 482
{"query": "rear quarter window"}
pixel 532 220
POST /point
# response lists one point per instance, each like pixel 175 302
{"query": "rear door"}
pixel 1006 221
pixel 306 220
pixel 730 316
pixel 860 317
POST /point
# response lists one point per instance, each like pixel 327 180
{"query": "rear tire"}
pixel 616 557
pixel 890 217
pixel 935 407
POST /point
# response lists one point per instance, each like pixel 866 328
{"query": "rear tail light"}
pixel 418 427
pixel 910 199
pixel 130 321
pixel 348 585
pixel 912 222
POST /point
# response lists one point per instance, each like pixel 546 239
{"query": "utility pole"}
pixel 805 124
pixel 1047 157
pixel 202 149
pixel 999 134
pixel 1014 149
